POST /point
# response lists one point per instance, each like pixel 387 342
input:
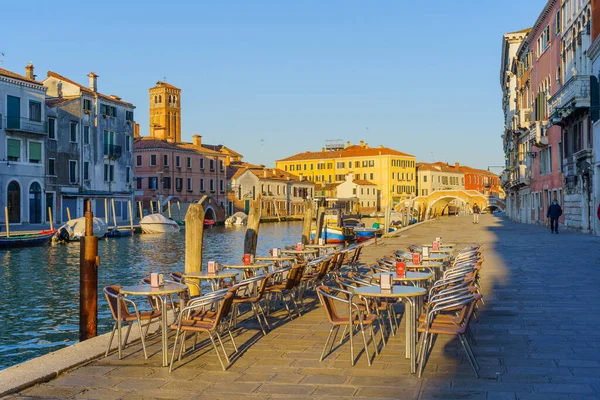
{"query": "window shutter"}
pixel 35 151
pixel 13 148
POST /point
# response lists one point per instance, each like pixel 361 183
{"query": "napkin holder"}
pixel 246 259
pixel 425 251
pixel 157 280
pixel 435 245
pixel 439 240
pixel 213 267
pixel 400 269
pixel 416 258
pixel 385 282
pixel 276 252
pixel 321 241
pixel 299 247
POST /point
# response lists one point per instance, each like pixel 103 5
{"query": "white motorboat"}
pixel 74 229
pixel 239 218
pixel 158 223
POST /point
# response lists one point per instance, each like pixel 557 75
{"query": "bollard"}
pixel 88 278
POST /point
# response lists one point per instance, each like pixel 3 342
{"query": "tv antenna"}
pixel 1 59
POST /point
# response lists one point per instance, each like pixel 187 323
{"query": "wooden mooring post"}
pixel 88 278
pixel 251 238
pixel 308 216
pixel 320 221
pixel 194 239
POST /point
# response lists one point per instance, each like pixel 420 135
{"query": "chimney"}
pixel 264 173
pixel 322 149
pixel 274 173
pixel 456 165
pixel 366 145
pixel 347 144
pixel 197 140
pixel 136 131
pixel 93 82
pixel 362 143
pixel 29 71
pixel 381 146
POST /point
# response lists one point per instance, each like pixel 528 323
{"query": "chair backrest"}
pixel 225 306
pixel 356 255
pixel 177 277
pixel 112 295
pixel 324 267
pixel 328 301
pixel 295 276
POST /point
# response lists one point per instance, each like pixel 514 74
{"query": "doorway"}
pixel 35 203
pixel 13 201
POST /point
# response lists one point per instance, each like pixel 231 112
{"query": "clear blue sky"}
pixel 422 78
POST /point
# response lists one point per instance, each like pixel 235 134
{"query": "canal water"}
pixel 39 286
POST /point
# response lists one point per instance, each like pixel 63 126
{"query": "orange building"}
pixel 483 181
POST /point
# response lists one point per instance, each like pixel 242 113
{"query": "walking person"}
pixel 554 212
pixel 476 212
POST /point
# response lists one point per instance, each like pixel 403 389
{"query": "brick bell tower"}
pixel 165 112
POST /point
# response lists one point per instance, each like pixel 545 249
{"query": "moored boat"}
pixel 335 234
pixel 119 232
pixel 209 222
pixel 363 234
pixel 158 223
pixel 25 240
pixel 239 218
pixel 74 229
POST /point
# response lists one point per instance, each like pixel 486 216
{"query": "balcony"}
pixel 538 136
pixel 24 125
pixel 520 176
pixel 523 118
pixel 574 94
pixel 112 151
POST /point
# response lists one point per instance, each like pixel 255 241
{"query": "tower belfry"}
pixel 165 112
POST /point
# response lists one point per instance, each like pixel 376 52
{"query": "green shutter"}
pixel 13 148
pixel 35 151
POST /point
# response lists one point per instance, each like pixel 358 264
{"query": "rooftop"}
pixel 10 74
pixel 89 91
pixel 147 143
pixel 361 150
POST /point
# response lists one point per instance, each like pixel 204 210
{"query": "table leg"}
pixel 164 330
pixel 407 328
pixel 413 361
pixel 119 325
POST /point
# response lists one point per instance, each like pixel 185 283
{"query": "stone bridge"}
pixel 437 202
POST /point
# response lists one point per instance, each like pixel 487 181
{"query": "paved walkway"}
pixel 538 337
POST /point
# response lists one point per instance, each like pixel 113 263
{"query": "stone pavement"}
pixel 538 337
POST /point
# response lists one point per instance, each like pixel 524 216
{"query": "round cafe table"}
pixel 409 295
pixel 444 245
pixel 161 293
pixel 248 270
pixel 301 253
pixel 409 276
pixel 277 261
pixel 435 268
pixel 213 279
pixel 324 249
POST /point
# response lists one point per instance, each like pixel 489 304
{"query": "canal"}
pixel 39 296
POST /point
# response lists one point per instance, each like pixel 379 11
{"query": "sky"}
pixel 270 79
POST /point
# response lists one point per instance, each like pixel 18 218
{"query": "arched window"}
pixel 13 201
pixel 155 99
pixel 160 98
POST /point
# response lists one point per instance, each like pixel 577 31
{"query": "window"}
pixel 152 183
pixel 153 160
pixel 329 165
pixel 365 163
pixel 13 149
pixel 371 163
pixel 179 184
pixel 222 187
pixel 189 162
pixel 35 111
pixel 212 185
pixel 166 181
pixel 138 183
pixel 424 178
pixel 165 160
pixel 112 111
pixel 138 161
pixel 104 109
pixel 73 132
pixel 109 141
pixel 129 115
pixel 291 167
pixel 212 165
pixel 86 170
pixel 178 161
pixel 35 152
pixel 371 176
pixel 109 173
pixel 201 184
pixel 128 143
pixel 221 165
pixel 339 178
pixel 51 128
pixel 340 165
pixel 87 105
pixel 201 163
pixel 86 135
pixel 72 171
pixel 51 166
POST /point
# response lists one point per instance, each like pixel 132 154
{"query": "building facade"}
pixel 392 171
pixel 438 176
pixel 90 149
pixel 365 193
pixel 594 54
pixel 23 132
pixel 283 194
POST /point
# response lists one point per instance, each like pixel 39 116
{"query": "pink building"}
pixel 184 172
pixel 546 146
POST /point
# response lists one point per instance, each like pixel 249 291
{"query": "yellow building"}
pixel 392 171
pixel 165 112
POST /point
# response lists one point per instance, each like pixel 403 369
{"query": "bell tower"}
pixel 165 112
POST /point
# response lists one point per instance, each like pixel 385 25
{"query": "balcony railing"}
pixel 538 135
pixel 575 93
pixel 112 151
pixel 18 124
pixel 523 118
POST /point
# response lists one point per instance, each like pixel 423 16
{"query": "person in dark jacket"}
pixel 554 212
pixel 476 212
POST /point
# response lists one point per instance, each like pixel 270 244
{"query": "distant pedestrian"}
pixel 554 212
pixel 476 212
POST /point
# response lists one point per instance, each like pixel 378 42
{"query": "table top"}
pixel 408 276
pixel 442 250
pixel 396 291
pixel 251 266
pixel 444 244
pixel 321 246
pixel 305 251
pixel 271 258
pixel 147 290
pixel 426 265
pixel 435 257
pixel 206 275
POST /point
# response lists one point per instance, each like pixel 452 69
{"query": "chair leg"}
pixel 391 322
pixel 343 334
pixel 139 324
pixel 127 335
pixel 373 339
pixel 216 351
pixel 112 335
pixel 326 343
pixel 221 342
pixel 232 341
pixel 423 354
pixel 262 311
pixel 362 330
pixel 473 362
pixel 174 351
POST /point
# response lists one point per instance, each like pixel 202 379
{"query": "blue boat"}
pixel 334 234
pixel 363 234
pixel 24 240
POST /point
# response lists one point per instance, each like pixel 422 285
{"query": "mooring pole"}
pixel 88 278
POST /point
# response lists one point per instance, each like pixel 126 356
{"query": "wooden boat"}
pixel 363 233
pixel 158 223
pixel 335 234
pixel 74 229
pixel 117 232
pixel 209 222
pixel 32 239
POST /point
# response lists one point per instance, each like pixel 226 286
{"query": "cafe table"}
pixel 443 245
pixel 324 249
pixel 249 270
pixel 301 253
pixel 161 294
pixel 214 279
pixel 409 295
pixel 436 268
pixel 409 276
pixel 277 261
